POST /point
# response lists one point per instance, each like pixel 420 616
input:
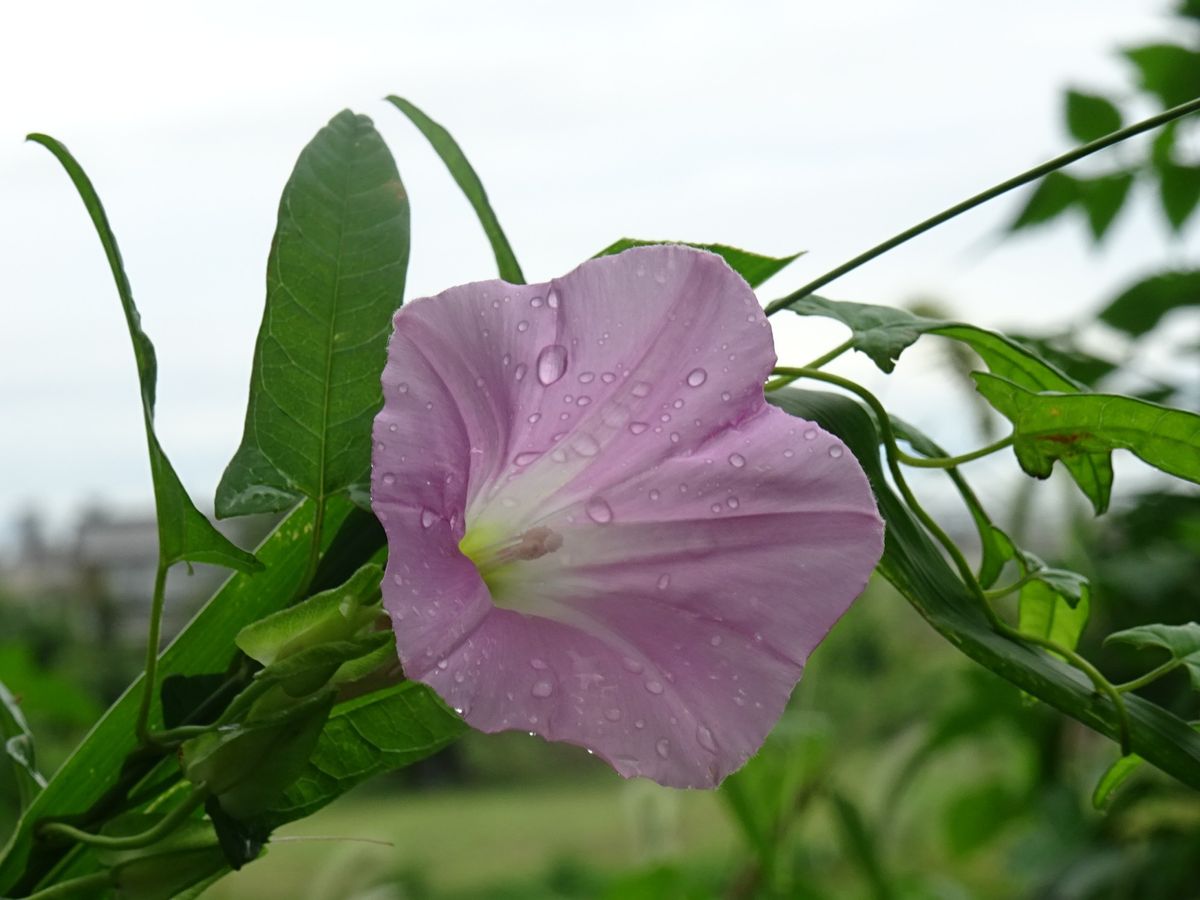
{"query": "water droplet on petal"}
pixel 737 460
pixel 443 664
pixel 810 433
pixel 697 377
pixel 733 502
pixel 524 459
pixel 608 377
pixel 389 478
pixel 789 453
pixel 536 302
pixel 637 427
pixel 663 581
pixel 654 687
pixel 522 326
pixel 583 400
pixel 674 437
pixel 654 494
pixel 663 748
pixel 705 739
pixel 678 404
pixel 587 377
pixel 835 451
pixel 726 396
pixel 542 689
pixel 403 388
pixel 612 714
pixel 641 389
pixel 551 364
pixel 538 664
pixel 519 371
pixel 599 511
pixel 716 507
pixel 552 299
pixel 534 418
pixel 631 665
pixel 715 640
pixel 586 445
pixel 559 455
pixel 428 517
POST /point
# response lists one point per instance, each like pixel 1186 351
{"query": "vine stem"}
pixel 997 593
pixel 152 639
pixel 950 462
pixel 1102 684
pixel 991 193
pixel 86 886
pixel 784 380
pixel 169 823
pixel 1153 675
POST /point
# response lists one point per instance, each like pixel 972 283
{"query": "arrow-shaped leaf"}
pixel 1181 641
pixel 184 533
pixel 334 278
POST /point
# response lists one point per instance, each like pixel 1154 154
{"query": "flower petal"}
pixel 708 541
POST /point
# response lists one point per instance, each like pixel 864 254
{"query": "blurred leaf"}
pixel 1140 307
pixel 1054 195
pixel 754 267
pixel 334 615
pixel 917 569
pixel 1169 72
pixel 1059 426
pixel 466 178
pixel 19 747
pixel 375 733
pixel 205 646
pixel 240 843
pixel 977 814
pixel 184 533
pixel 861 846
pixel 53 696
pixel 1179 190
pixel 1181 641
pixel 1044 612
pixel 334 279
pixel 1090 116
pixel 1102 198
pixel 1060 351
pixel 1114 776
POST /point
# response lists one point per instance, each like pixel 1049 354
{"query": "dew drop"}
pixel 587 377
pixel 705 739
pixel 608 377
pixel 524 459
pixel 835 451
pixel 403 388
pixel 726 396
pixel 428 517
pixel 639 724
pixel 696 377
pixel 737 460
pixel 522 326
pixel 654 494
pixel 715 640
pixel 612 714
pixel 631 665
pixel 586 445
pixel 637 427
pixel 716 507
pixel 552 299
pixel 733 502
pixel 559 455
pixel 459 677
pixel 664 581
pixel 583 400
pixel 551 364
pixel 393 427
pixel 538 664
pixel 789 453
pixel 674 437
pixel 810 433
pixel 534 418
pixel 641 389
pixel 599 511
pixel 663 748
pixel 678 404
pixel 389 478
pixel 443 664
pixel 536 302
pixel 542 689
pixel 654 687
pixel 519 371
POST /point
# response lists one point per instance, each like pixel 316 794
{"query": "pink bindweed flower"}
pixel 597 528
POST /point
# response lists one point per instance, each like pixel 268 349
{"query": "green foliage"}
pixel 184 534
pixel 1112 779
pixel 1179 192
pixel 1139 308
pixel 1169 72
pixel 1181 641
pixel 1049 427
pixel 1044 612
pixel 334 279
pixel 465 177
pixel 754 267
pixel 917 569
pixel 1099 198
pixel 1090 116
pixel 19 747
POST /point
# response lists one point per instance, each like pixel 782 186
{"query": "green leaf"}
pixel 375 733
pixel 334 279
pixel 1140 307
pixel 1179 191
pixel 184 533
pixel 1114 776
pixel 19 747
pixel 1090 116
pixel 754 267
pixel 861 846
pixel 1169 72
pixel 333 615
pixel 977 814
pixel 1053 426
pixel 1181 641
pixel 1044 612
pixel 466 178
pixel 205 646
pixel 1102 198
pixel 1054 195
pixel 1071 587
pixel 916 567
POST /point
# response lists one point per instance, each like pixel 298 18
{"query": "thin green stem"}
pixel 150 678
pixel 997 593
pixel 782 380
pixel 949 462
pixel 991 193
pixel 166 825
pixel 1153 675
pixel 86 886
pixel 174 736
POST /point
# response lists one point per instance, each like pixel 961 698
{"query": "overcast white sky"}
pixel 773 126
